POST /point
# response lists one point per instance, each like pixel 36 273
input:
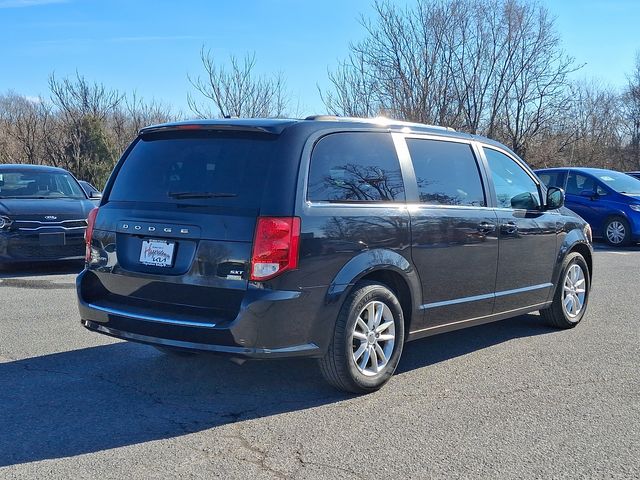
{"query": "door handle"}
pixel 486 227
pixel 509 228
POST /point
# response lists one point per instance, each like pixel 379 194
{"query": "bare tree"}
pixel 483 66
pixel 631 109
pixel 83 111
pixel 135 113
pixel 23 122
pixel 234 90
pixel 83 128
pixel 354 91
pixel 539 70
pixel 587 133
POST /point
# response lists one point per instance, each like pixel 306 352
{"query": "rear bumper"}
pixel 270 324
pixel 305 350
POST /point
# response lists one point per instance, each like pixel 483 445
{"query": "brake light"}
pixel 275 247
pixel 88 233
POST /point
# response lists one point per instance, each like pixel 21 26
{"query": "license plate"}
pixel 52 239
pixel 157 253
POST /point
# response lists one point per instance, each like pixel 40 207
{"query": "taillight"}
pixel 88 233
pixel 275 247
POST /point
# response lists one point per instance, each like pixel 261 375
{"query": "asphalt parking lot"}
pixel 513 399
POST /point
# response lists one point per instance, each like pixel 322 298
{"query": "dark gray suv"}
pixel 333 238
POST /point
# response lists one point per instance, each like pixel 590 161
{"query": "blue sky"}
pixel 151 46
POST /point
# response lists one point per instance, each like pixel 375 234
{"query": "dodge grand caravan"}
pixel 333 238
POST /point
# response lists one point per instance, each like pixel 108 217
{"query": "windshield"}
pixel 38 184
pixel 190 168
pixel 620 182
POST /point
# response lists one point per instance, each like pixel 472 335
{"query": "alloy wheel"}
pixel 575 288
pixel 373 338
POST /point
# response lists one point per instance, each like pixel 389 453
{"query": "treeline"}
pixel 491 67
pixel 82 127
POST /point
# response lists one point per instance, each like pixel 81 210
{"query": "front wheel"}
pixel 572 294
pixel 367 341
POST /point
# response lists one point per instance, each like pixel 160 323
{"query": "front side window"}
pixel 446 172
pixel 514 187
pixel 355 167
pixel 578 183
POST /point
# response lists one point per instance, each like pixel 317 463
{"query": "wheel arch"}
pixel 586 252
pixel 574 241
pixel 383 266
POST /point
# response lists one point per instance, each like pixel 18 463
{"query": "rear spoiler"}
pixel 273 127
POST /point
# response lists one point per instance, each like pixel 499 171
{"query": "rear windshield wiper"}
pixel 182 195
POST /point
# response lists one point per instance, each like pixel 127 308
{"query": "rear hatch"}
pixel 174 234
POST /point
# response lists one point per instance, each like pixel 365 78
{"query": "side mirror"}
pixel 525 201
pixel 95 195
pixel 555 198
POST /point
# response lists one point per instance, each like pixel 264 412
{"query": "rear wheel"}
pixel 572 294
pixel 617 232
pixel 367 340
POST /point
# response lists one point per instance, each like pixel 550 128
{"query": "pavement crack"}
pixel 307 463
pixel 30 368
pixel 152 396
pixel 261 456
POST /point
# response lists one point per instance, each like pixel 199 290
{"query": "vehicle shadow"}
pixel 37 269
pixel 108 396
pixel 602 246
pixel 439 348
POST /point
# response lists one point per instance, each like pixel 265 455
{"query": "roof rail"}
pixel 377 120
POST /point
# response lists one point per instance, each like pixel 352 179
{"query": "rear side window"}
pixel 355 167
pixel 446 172
pixel 222 169
pixel 578 184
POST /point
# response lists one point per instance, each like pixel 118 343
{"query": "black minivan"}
pixel 333 238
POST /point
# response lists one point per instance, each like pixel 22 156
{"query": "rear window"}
pixel 225 169
pixel 355 167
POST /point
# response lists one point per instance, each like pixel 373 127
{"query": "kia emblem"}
pixel 50 217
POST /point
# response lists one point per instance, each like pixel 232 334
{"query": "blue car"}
pixel 608 200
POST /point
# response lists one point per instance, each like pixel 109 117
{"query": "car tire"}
pixel 369 328
pixel 175 352
pixel 571 297
pixel 617 232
